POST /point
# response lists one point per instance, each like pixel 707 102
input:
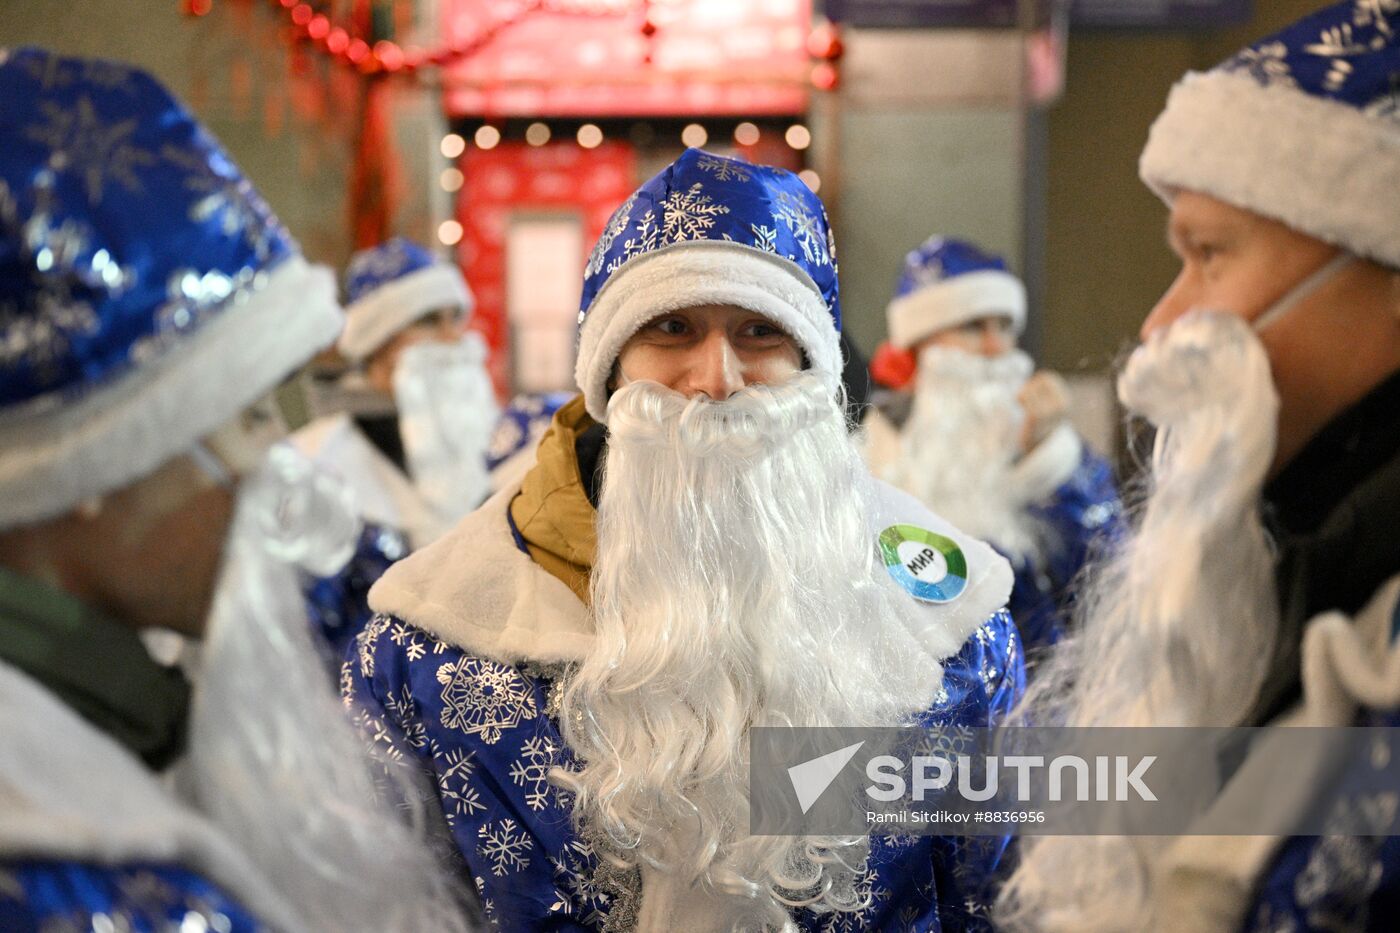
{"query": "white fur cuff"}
pixel 53 458
pixel 702 272
pixel 1046 468
pixel 956 301
pixel 381 314
pixel 1321 167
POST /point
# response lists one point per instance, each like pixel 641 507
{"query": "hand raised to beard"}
pixel 1177 628
pixel 274 759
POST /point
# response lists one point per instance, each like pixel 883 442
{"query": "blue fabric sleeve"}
pixel 52 896
pixel 1083 514
pixel 480 731
pixel 339 605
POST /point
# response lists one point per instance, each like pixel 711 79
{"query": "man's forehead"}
pixel 1193 211
pixel 718 311
pixel 717 315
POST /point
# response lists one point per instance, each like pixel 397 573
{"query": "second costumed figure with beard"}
pixel 578 664
pixel 979 438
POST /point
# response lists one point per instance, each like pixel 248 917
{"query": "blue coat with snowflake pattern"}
pixel 488 733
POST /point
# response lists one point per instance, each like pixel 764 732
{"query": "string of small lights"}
pixel 385 56
pixel 389 57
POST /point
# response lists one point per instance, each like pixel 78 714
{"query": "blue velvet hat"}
pixel 392 285
pixel 1302 127
pixel 711 230
pixel 147 293
pixel 946 283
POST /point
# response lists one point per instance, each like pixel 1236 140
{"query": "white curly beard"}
pixel 736 585
pixel 1177 628
pixel 961 441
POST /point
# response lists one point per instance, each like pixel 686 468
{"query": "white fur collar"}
pixel 1053 461
pixel 475 589
pixel 384 494
pixel 1206 884
pixel 70 793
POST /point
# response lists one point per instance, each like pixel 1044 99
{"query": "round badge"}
pixel 928 566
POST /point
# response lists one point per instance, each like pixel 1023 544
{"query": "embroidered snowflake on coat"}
pixel 505 846
pixel 483 697
pixel 1376 13
pixel 531 771
pixel 1266 64
pixel 575 875
pixel 383 742
pixel 401 706
pixel 459 797
pixel 1344 869
pixel 409 639
pixel 869 899
pixel 366 641
pixel 1337 42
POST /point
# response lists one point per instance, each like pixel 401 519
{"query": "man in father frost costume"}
pixel 149 303
pixel 1260 584
pixel 693 554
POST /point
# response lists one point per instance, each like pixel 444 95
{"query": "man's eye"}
pixel 1206 252
pixel 671 327
pixel 762 330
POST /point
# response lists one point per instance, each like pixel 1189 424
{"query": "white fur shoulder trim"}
pixel 1047 467
pixel 1351 664
pixel 474 589
pixel 70 793
pixel 989 576
pixel 384 493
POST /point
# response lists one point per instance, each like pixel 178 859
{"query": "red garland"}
pixel 389 57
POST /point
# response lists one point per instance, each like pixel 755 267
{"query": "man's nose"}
pixel 716 369
pixel 1172 305
pixel 995 341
